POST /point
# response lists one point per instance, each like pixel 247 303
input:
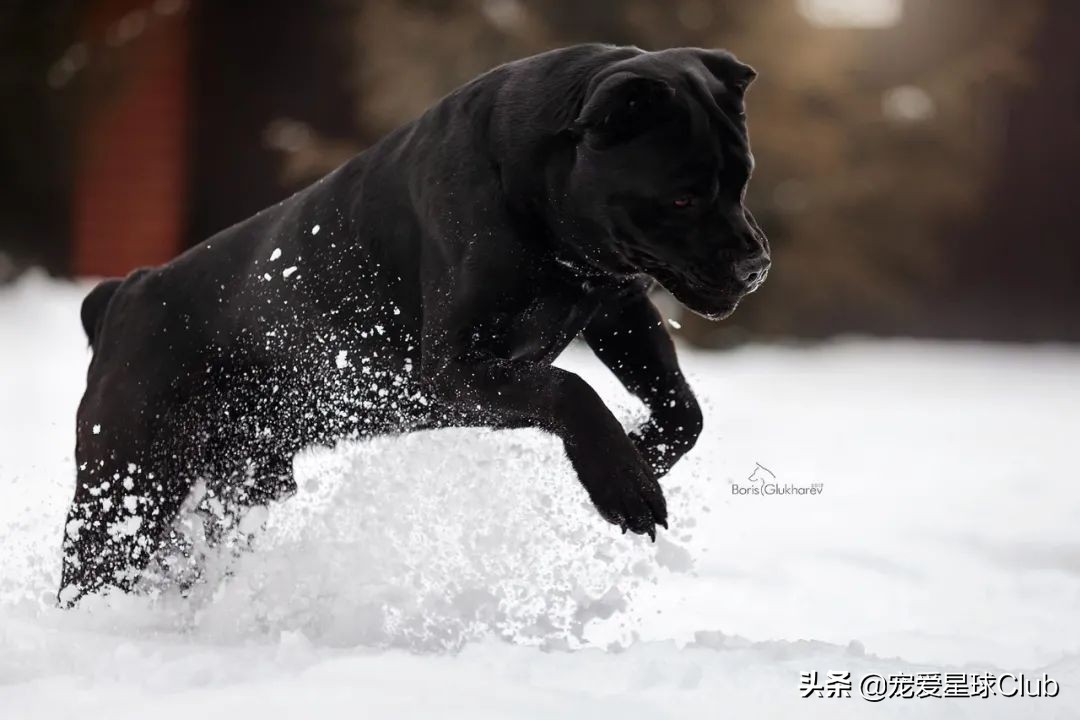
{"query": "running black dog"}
pixel 429 282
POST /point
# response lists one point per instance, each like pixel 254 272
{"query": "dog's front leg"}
pixel 628 335
pixel 507 393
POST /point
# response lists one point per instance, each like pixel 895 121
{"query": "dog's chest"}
pixel 541 327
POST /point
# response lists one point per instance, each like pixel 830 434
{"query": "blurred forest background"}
pixel 917 160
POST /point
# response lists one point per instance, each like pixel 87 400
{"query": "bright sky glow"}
pixel 852 13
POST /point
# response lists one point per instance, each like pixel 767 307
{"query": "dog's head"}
pixel 661 164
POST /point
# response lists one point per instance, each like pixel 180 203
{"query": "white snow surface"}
pixel 463 573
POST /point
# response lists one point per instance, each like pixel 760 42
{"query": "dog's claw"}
pixel 663 523
pixel 627 496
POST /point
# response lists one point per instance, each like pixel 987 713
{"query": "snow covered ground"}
pixel 463 574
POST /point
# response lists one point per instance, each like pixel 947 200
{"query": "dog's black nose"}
pixel 753 269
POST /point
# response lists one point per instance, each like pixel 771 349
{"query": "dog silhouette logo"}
pixel 761 474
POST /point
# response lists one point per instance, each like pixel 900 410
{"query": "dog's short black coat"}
pixel 428 282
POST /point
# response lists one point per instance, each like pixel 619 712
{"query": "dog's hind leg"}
pixel 127 494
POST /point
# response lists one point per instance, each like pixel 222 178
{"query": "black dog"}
pixel 430 282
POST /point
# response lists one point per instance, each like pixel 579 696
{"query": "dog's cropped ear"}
pixel 622 107
pixel 735 75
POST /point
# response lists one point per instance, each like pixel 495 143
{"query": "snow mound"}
pixel 424 542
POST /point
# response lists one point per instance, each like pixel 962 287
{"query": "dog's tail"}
pixel 94 306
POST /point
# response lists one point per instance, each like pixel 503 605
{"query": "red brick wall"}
pixel 131 175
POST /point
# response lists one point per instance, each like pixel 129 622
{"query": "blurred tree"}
pixel 35 134
pixel 274 103
pixel 1016 262
pixel 869 142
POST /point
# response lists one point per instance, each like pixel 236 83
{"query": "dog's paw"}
pixel 659 451
pixel 626 493
pixel 666 437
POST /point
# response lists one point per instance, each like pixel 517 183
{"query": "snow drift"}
pixel 464 573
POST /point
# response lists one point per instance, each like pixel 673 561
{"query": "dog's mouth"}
pixel 716 306
pixel 711 300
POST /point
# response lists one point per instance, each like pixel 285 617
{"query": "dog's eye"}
pixel 684 201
